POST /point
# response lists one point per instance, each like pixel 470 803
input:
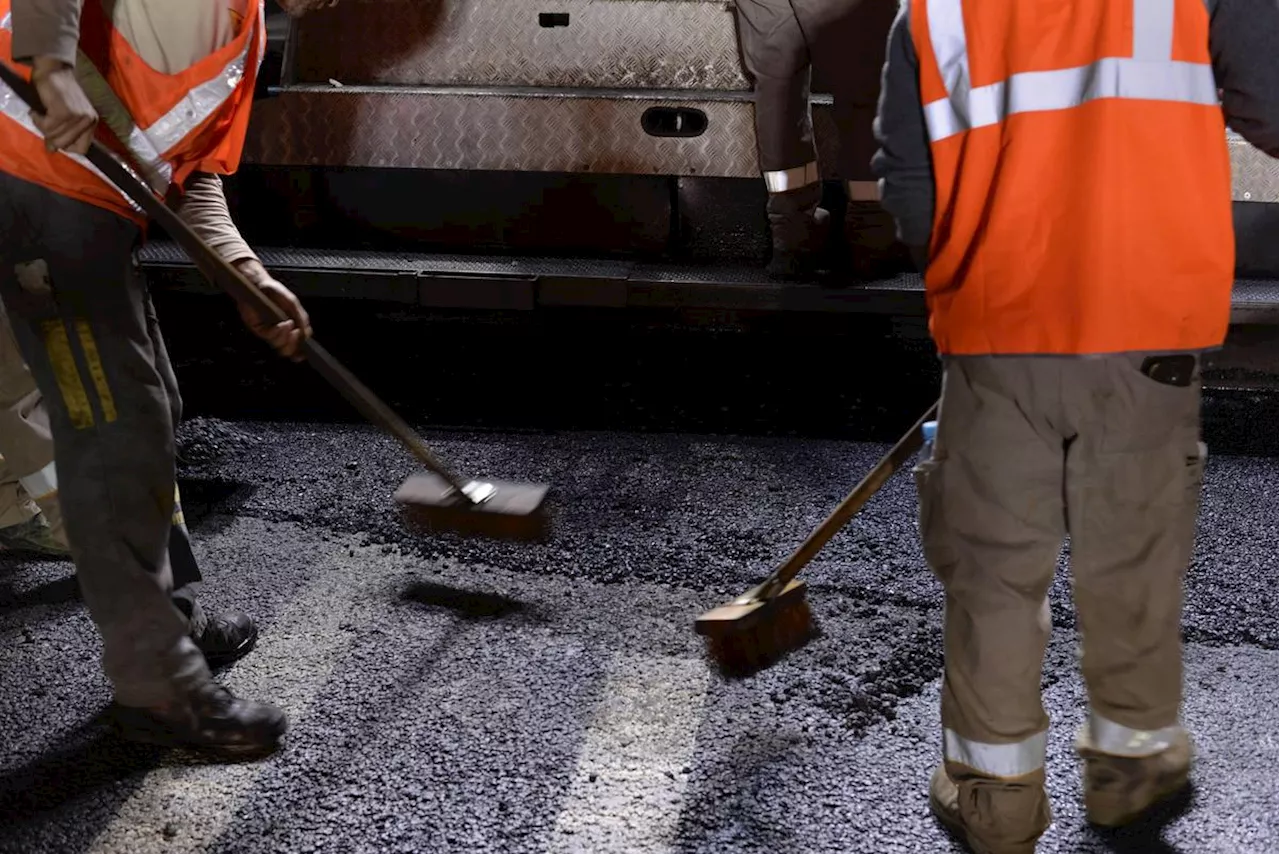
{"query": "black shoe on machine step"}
pixel 799 250
pixel 210 719
pixel 872 247
pixel 226 638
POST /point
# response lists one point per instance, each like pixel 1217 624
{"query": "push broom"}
pixel 437 499
pixel 773 618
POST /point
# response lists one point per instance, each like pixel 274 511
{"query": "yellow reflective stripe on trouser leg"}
pixel 67 374
pixel 96 371
pixel 178 517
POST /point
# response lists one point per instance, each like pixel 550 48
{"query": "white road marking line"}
pixel 290 667
pixel 630 780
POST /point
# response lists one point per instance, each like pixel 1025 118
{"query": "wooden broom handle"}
pixel 853 502
pixel 233 282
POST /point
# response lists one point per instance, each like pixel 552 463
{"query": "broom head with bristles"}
pixel 753 631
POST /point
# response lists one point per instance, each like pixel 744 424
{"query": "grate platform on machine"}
pixel 496 281
pixel 525 283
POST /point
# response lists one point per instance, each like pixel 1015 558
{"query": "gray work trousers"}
pixel 1030 450
pixel 29 473
pixel 88 333
pixel 842 44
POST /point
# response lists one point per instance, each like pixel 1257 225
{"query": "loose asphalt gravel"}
pixel 450 695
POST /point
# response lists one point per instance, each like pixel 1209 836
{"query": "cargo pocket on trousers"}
pixel 1145 414
pixel 1194 481
pixel 935 538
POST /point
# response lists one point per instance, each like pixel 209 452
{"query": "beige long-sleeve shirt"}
pixel 168 35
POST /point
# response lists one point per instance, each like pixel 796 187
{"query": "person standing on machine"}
pixel 173 84
pixel 1078 260
pixel 785 43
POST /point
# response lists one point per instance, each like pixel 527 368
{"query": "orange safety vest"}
pixel 1083 183
pixel 166 125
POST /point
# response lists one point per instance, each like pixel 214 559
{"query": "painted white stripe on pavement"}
pixel 629 781
pixel 290 667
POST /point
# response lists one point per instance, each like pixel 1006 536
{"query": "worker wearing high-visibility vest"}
pixel 168 87
pixel 841 42
pixel 1062 173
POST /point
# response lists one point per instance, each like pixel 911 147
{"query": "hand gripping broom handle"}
pixel 861 494
pixel 234 283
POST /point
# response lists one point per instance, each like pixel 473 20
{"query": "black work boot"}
pixel 209 719
pixel 799 229
pixel 224 638
pixel 873 248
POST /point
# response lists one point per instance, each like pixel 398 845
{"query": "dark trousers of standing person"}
pixel 785 43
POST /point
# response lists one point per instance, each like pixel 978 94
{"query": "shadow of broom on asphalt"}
pixel 89 760
pixel 470 604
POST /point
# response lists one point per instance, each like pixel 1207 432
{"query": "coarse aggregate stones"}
pixel 711 513
pixel 451 700
pixel 450 695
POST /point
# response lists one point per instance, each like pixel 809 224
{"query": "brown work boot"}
pixel 1004 832
pixel 210 719
pixel 1120 789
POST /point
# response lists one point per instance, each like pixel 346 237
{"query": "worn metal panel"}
pixel 544 130
pixel 660 44
pixel 1255 177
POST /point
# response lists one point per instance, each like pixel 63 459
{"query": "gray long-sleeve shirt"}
pixel 1243 46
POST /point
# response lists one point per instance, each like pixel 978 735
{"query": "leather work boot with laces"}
pixel 1007 834
pixel 224 638
pixel 209 719
pixel 1120 789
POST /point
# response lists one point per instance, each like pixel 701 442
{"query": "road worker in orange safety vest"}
pixel 1061 173
pixel 166 85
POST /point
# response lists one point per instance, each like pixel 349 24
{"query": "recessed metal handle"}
pixel 673 121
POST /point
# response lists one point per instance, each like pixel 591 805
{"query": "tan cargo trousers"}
pixel 1029 451
pixel 27 472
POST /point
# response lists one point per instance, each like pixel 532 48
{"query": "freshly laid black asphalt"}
pixel 450 695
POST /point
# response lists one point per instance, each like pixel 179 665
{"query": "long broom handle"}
pixel 860 495
pixel 240 288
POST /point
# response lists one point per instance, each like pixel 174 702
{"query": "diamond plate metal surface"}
pixel 650 44
pixel 548 132
pixel 1255 177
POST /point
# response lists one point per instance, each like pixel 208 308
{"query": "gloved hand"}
pixel 285 337
pixel 69 119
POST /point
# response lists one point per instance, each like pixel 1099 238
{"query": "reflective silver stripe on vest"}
pixel 1153 30
pixel 1112 738
pixel 15 108
pixel 996 760
pixel 782 180
pixel 204 100
pixel 150 146
pixel 116 116
pixel 1149 75
pixel 42 484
